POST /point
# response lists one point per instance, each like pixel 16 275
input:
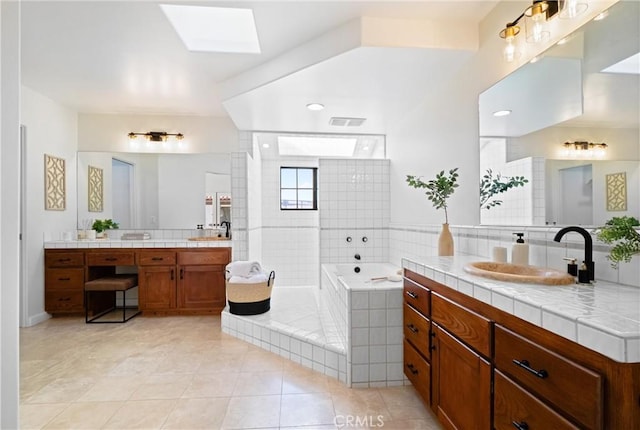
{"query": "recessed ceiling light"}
pixel 315 106
pixel 214 29
pixel 365 148
pixel 534 60
pixel 602 15
pixel 502 113
pixel 265 145
pixel 562 41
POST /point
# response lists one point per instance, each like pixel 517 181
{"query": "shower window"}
pixel 298 188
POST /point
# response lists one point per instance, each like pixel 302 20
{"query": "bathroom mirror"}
pixel 152 191
pixel 584 90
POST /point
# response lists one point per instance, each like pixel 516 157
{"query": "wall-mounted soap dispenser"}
pixel 520 251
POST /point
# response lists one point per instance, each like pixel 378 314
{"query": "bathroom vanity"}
pixel 180 280
pixel 489 355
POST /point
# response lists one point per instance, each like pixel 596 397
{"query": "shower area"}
pixel 351 220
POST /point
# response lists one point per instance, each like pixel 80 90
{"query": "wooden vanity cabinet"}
pixel 540 380
pixel 170 280
pixel 417 338
pixel 64 281
pixel 156 280
pixel 461 372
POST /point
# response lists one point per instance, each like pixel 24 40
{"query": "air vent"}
pixel 346 122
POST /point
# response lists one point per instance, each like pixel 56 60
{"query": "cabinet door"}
pixel 461 384
pixel 157 287
pixel 201 287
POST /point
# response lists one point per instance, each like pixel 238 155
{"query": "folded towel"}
pixel 243 268
pixel 260 277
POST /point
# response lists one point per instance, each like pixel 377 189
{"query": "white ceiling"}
pixel 124 57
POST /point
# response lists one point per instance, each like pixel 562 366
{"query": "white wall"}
pixel 51 129
pixel 108 132
pixel 9 212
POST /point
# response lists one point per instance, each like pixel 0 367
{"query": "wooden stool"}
pixel 100 297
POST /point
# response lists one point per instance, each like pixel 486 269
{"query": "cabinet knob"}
pixel 525 365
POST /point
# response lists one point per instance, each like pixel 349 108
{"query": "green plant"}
pixel 490 186
pixel 620 231
pixel 101 225
pixel 438 189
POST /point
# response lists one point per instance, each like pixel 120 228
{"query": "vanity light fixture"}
pixel 156 136
pixel 535 17
pixel 315 106
pixel 585 149
pixel 572 8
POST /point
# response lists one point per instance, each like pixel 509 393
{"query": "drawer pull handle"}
pixel 64 279
pixel 172 274
pixel 111 259
pixel 412 294
pixel 181 273
pixel 412 369
pixel 157 258
pixel 520 425
pixel 412 328
pixel 63 260
pixel 525 365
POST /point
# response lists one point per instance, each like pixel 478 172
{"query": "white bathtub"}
pixel 363 280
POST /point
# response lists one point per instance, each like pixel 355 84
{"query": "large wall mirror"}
pixel 583 90
pixel 154 191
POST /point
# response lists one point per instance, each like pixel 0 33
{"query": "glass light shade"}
pixel 509 33
pixel 536 26
pixel 572 8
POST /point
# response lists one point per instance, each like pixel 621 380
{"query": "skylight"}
pixel 628 65
pixel 214 29
pixel 316 146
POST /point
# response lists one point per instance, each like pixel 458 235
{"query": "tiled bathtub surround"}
pixel 604 317
pixel 419 242
pixel 298 327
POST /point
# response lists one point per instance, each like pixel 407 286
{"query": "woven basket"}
pixel 249 293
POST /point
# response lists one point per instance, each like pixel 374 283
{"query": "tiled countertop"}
pixel 604 317
pixel 148 243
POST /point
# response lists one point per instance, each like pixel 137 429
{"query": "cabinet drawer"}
pixel 572 388
pixel 512 405
pixel 416 329
pixel 110 258
pixel 64 259
pixel 417 296
pixel 418 371
pixel 156 258
pixel 60 301
pixel 216 256
pixel 466 325
pixel 64 279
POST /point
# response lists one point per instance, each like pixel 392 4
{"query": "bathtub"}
pixel 368 317
pixel 358 277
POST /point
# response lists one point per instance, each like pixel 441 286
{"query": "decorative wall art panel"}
pixel 96 188
pixel 54 183
pixel 617 192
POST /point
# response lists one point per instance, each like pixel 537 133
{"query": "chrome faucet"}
pixel 588 247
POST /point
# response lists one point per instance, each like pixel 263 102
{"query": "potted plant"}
pixel 491 185
pixel 438 191
pixel 622 233
pixel 100 225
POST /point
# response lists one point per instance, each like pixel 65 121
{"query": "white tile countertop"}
pixel 147 243
pixel 604 317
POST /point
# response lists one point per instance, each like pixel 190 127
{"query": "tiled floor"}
pixel 184 373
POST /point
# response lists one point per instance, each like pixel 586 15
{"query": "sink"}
pixel 518 273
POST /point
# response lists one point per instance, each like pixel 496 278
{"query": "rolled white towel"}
pixel 254 279
pixel 243 268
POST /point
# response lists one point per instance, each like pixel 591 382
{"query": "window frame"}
pixel 313 189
